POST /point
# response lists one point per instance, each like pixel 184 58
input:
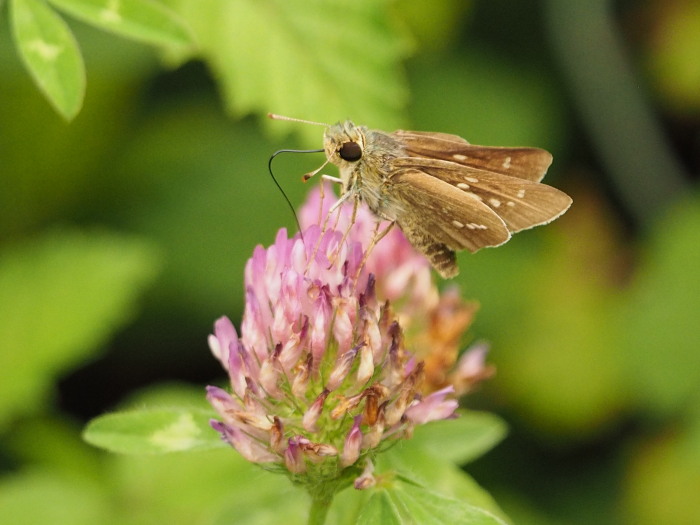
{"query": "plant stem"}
pixel 319 510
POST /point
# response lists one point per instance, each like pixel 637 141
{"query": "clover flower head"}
pixel 321 378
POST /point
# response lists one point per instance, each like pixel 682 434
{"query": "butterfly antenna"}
pixel 284 194
pixel 274 116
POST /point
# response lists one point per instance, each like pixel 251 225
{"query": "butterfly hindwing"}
pixel 446 214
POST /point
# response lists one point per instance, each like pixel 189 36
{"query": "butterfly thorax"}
pixel 364 157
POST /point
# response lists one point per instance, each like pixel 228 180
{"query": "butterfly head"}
pixel 344 143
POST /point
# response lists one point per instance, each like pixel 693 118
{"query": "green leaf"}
pixel 463 439
pixel 380 509
pixel 432 455
pixel 51 55
pixel 405 503
pixel 433 470
pixel 141 20
pixel 153 431
pixel 294 57
pixel 61 296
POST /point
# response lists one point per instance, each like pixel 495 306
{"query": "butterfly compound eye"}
pixel 350 151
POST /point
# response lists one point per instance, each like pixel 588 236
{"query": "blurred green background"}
pixel 124 233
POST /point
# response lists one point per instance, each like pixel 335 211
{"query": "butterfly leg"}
pixel 329 178
pixel 323 222
pixel 342 199
pixel 376 237
pixel 345 196
pixel 332 209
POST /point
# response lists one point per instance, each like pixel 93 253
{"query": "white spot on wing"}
pixel 506 163
pixel 510 203
pixel 458 224
pixel 521 194
pixel 471 179
pixel 463 186
pixel 495 203
pixel 459 156
pixel 474 226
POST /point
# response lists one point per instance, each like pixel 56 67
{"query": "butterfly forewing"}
pixel 523 163
pixel 520 203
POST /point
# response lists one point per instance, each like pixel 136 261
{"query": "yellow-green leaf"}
pixel 50 53
pixel 406 503
pixel 153 431
pixel 324 60
pixel 142 20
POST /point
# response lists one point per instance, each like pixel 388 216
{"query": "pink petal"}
pixel 433 407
